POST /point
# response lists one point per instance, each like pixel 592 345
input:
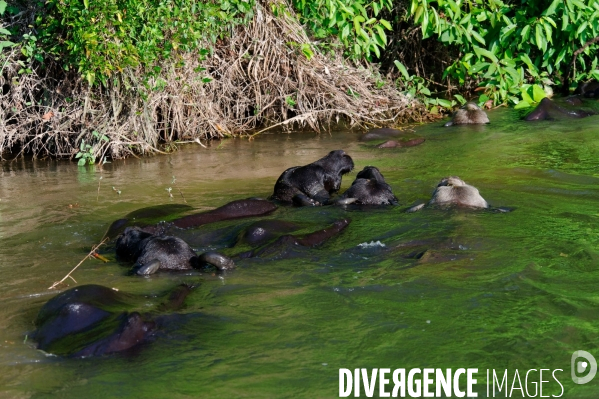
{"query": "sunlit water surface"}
pixel 496 291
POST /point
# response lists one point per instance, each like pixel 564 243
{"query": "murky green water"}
pixel 496 291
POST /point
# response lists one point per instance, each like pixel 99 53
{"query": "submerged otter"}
pixel 470 113
pixel 588 89
pixel 549 110
pixel 453 191
pixel 369 188
pixel 314 183
pixel 92 320
pixel 288 245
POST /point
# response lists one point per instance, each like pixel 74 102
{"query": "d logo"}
pixel 581 366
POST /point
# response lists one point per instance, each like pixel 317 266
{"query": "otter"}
pixel 588 89
pixel 401 143
pixel 453 191
pixel 262 231
pixel 369 188
pixel 147 217
pixel 92 320
pixel 314 183
pixel 285 246
pixel 381 133
pixel 152 253
pixel 470 113
pixel 549 110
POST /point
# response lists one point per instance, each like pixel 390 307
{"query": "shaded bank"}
pixel 260 76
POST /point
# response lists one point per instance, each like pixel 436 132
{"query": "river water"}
pixel 497 291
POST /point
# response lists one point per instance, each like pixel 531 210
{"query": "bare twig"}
pixel 89 255
pixel 174 182
pixel 99 181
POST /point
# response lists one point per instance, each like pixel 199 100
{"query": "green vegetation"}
pixel 102 37
pixel 355 23
pixel 504 46
pixel 145 73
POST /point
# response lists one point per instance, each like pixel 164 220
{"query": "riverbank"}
pixel 267 73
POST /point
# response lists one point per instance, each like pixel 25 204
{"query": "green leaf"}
pixel 2 7
pixel 507 31
pixel 376 50
pixel 491 71
pixel 81 162
pixel 478 37
pixel 513 74
pixel 6 43
pixel 552 8
pixel 531 68
pixel 357 26
pixel 307 51
pixel 565 22
pixel 382 34
pixel 86 4
pixel 485 53
pixel 425 25
pixel 538 93
pixel 386 24
pixel 526 96
pixel 461 99
pixel 479 67
pixel 402 69
pixel 526 33
pixel 444 103
pixel 345 32
pixel 539 36
pixel 522 104
pixel 579 4
pixel 548 32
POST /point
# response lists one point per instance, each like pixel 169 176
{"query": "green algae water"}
pixel 486 290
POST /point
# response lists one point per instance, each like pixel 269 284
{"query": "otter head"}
pixel 454 191
pixel 371 172
pixel 128 244
pixel 336 162
pixel 452 181
pixel 471 107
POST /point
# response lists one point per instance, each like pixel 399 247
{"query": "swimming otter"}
pixel 382 133
pixel 401 143
pixel 152 253
pixel 313 184
pixel 548 110
pixel 369 188
pixel 470 113
pixel 92 320
pixel 287 245
pixel 588 89
pixel 454 191
pixel 147 217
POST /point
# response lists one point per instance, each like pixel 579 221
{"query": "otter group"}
pixel 94 320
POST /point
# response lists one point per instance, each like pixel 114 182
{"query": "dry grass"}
pixel 260 79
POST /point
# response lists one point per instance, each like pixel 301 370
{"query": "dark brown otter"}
pixel 314 183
